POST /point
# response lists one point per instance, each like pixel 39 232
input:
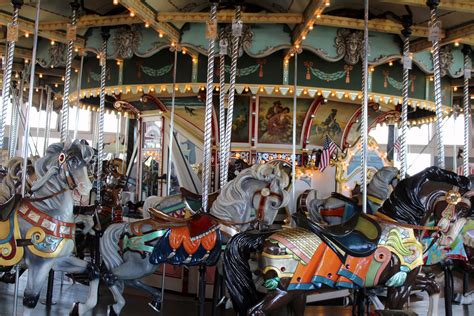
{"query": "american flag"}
pixel 397 146
pixel 328 149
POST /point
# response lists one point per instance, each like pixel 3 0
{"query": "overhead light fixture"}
pixel 456 44
pixel 40 75
pixel 27 34
pixel 115 2
pixel 160 34
pixel 147 25
pixel 132 14
pixel 56 85
pixel 390 64
pixel 311 26
pixel 53 42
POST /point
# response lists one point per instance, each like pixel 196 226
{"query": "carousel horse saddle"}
pixel 198 224
pixel 8 207
pixel 358 236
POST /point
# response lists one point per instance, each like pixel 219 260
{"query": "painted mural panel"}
pixel 189 108
pixel 353 134
pixel 275 119
pixel 240 122
pixel 331 118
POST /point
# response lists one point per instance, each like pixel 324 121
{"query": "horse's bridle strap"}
pixel 387 219
pixel 45 197
pixel 50 225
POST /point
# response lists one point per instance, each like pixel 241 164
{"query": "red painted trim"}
pixel 308 120
pixel 146 97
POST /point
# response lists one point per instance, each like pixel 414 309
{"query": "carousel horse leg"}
pixel 156 295
pixel 113 310
pixel 275 300
pixel 398 296
pixel 428 284
pixel 216 293
pixel 76 265
pixel 298 305
pixel 202 290
pixel 448 289
pixel 37 275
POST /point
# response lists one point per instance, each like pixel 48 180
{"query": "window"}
pixel 38 147
pixel 111 121
pixel 453 130
pixel 39 119
pixel 380 134
pixel 84 120
pixel 418 162
pixel 419 135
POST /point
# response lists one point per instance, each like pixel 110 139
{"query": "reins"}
pixel 387 219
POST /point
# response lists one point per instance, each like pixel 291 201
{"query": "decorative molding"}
pixel 27 26
pixel 245 42
pixel 228 16
pixel 126 41
pixel 463 34
pixel 141 10
pixel 92 20
pixel 57 56
pixel 446 60
pixel 450 5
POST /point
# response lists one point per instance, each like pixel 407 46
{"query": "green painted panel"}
pixel 157 69
pixel 91 73
pixel 389 79
pixel 268 37
pixel 314 71
pixel 446 91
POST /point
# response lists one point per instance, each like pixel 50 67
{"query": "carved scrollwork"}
pixel 57 54
pixel 446 59
pixel 350 45
pixel 245 42
pixel 126 42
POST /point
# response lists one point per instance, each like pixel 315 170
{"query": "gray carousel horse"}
pixel 337 208
pixel 41 226
pixel 132 251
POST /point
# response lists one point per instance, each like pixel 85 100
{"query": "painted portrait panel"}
pixel 275 119
pixel 240 122
pixel 353 134
pixel 331 118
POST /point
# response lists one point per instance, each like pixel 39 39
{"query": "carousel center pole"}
pixel 100 143
pixel 293 149
pixel 67 77
pixel 236 33
pixel 222 52
pixel 206 173
pixel 434 37
pixel 466 108
pixel 12 37
pixel 27 133
pixel 406 32
pixel 365 104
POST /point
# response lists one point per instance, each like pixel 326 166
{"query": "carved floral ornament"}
pixel 57 56
pixel 245 41
pixel 446 59
pixel 349 44
pixel 126 42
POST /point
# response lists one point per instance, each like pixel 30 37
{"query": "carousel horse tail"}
pixel 238 277
pixel 109 245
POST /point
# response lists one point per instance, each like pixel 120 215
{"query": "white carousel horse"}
pixel 41 226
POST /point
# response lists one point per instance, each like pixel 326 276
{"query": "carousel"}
pixel 236 157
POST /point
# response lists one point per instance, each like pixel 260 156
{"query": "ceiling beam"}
pixel 24 53
pixel 92 20
pixel 377 25
pixel 450 5
pixel 148 16
pixel 314 10
pixel 226 16
pixel 26 26
pixel 463 34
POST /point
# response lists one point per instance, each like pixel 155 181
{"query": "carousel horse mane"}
pixel 235 197
pixel 406 205
pixel 12 179
pixel 380 184
pixel 48 166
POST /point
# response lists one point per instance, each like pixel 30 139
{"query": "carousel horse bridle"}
pixel 64 166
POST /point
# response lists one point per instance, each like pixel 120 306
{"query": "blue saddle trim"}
pixel 10 233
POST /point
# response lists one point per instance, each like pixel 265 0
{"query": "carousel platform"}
pixel 65 293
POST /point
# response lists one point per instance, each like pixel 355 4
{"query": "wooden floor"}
pixel 174 304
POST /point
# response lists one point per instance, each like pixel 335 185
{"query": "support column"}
pixel 466 109
pixel 100 143
pixel 222 127
pixel 71 34
pixel 12 37
pixel 365 103
pixel 407 23
pixel 434 37
pixel 206 173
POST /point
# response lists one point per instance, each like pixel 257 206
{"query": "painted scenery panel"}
pixel 189 108
pixel 275 119
pixel 353 134
pixel 331 118
pixel 240 122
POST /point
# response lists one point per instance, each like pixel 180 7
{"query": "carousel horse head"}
pixel 254 196
pixel 383 181
pixel 69 163
pixel 432 196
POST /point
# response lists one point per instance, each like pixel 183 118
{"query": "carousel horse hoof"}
pixel 8 278
pixel 75 309
pixel 156 305
pixel 111 311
